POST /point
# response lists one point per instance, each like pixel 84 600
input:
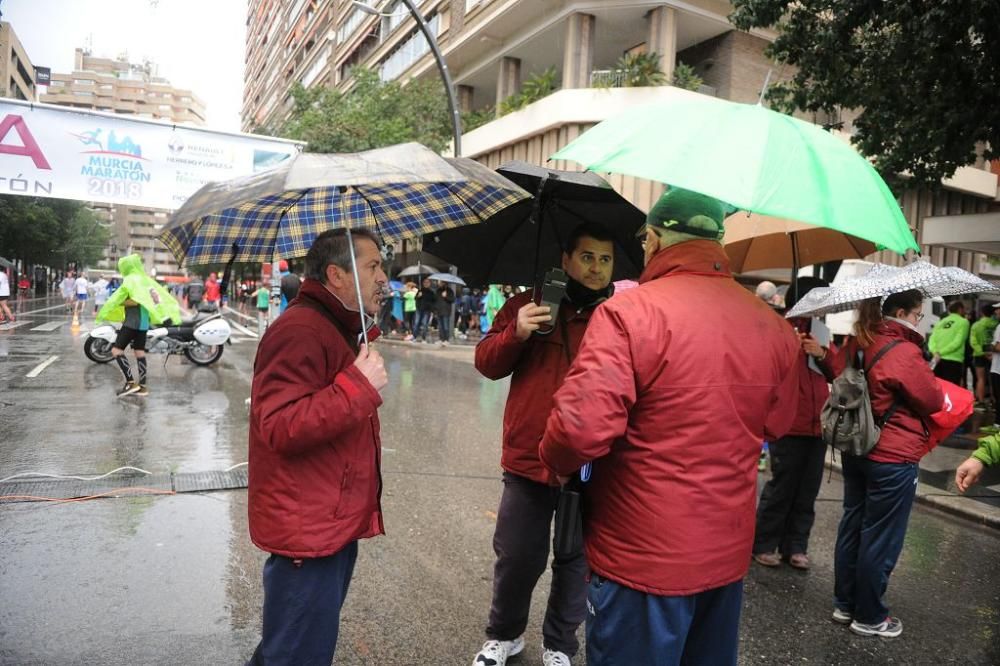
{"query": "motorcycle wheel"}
pixel 201 354
pixel 98 350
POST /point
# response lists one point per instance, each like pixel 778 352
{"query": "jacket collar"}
pixel 313 292
pixel 895 330
pixel 700 257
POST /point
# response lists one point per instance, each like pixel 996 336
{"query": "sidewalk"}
pixel 936 484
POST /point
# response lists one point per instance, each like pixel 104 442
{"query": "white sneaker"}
pixel 555 658
pixel 496 653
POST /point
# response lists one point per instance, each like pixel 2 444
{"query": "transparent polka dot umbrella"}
pixel 883 280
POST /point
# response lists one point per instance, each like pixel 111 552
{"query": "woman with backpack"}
pixel 879 486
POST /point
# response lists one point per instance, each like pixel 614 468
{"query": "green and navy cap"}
pixel 688 212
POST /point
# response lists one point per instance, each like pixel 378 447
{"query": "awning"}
pixel 979 232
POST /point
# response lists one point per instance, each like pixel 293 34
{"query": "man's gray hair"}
pixel 330 247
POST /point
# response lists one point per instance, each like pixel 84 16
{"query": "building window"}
pixel 409 52
pixel 83 82
pixel 317 68
pixel 396 14
pixel 347 28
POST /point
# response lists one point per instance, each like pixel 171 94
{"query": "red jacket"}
pixel 902 372
pixel 315 455
pixel 537 367
pixel 813 391
pixel 677 383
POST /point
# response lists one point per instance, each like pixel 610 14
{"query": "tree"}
pixel 51 232
pixel 925 76
pixel 373 114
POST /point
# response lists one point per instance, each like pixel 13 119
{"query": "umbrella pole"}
pixel 357 286
pixel 793 288
pixel 536 216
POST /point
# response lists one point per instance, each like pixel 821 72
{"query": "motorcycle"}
pixel 200 338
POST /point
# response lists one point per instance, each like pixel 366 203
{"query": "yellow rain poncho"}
pixel 144 290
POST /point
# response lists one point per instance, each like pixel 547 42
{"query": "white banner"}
pixel 54 151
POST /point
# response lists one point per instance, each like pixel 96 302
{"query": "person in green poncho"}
pixel 139 302
pixel 968 472
pixel 494 301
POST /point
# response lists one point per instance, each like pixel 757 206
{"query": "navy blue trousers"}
pixel 877 502
pixel 626 627
pixel 302 602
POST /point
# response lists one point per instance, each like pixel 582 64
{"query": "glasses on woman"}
pixel 918 315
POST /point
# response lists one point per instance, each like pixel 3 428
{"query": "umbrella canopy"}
pixel 882 280
pixel 520 244
pixel 396 285
pixel 447 277
pixel 754 242
pixel 417 269
pixel 398 192
pixel 752 158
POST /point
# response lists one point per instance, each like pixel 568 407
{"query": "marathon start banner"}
pixel 66 153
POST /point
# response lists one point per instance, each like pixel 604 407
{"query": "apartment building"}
pixel 493 46
pixel 17 74
pixel 122 87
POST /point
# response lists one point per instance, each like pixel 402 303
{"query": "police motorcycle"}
pixel 200 338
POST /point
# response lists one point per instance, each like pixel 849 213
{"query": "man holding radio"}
pixel 535 345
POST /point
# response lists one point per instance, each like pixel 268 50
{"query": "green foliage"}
pixel 473 119
pixel 52 232
pixel 925 76
pixel 373 114
pixel 686 78
pixel 534 88
pixel 640 70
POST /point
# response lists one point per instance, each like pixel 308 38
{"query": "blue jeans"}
pixel 626 627
pixel 877 502
pixel 302 602
pixel 423 324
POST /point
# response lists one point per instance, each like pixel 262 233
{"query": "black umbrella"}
pixel 520 243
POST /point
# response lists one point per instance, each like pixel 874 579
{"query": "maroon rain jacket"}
pixel 675 387
pixel 315 455
pixel 537 367
pixel 901 372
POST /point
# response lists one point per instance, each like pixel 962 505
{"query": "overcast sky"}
pixel 197 44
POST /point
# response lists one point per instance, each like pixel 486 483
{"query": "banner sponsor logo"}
pixel 66 153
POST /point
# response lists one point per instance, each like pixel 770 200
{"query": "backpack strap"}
pixel 896 399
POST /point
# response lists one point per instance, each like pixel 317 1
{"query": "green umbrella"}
pixel 752 158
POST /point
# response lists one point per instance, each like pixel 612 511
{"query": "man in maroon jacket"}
pixel 676 384
pixel 786 511
pixel 523 344
pixel 315 479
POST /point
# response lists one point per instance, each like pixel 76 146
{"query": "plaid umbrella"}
pixel 398 192
pixel 882 280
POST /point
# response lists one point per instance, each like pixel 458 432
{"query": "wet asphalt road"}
pixel 175 580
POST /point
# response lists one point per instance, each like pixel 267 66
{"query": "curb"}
pixel 956 505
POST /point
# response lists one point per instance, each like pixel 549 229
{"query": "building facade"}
pixel 17 74
pixel 118 86
pixel 492 47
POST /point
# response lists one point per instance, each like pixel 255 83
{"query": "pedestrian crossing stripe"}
pixel 11 325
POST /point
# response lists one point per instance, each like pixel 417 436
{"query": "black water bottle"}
pixel 569 519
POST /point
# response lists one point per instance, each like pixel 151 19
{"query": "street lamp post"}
pixel 456 118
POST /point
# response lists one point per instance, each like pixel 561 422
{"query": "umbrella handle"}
pixel 357 286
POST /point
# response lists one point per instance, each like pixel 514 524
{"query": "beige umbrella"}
pixel 755 241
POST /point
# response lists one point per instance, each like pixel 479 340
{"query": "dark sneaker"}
pixel 128 389
pixel 890 627
pixel 143 391
pixel 496 653
pixel 842 616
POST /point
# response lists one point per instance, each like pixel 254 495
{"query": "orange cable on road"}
pixel 109 493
